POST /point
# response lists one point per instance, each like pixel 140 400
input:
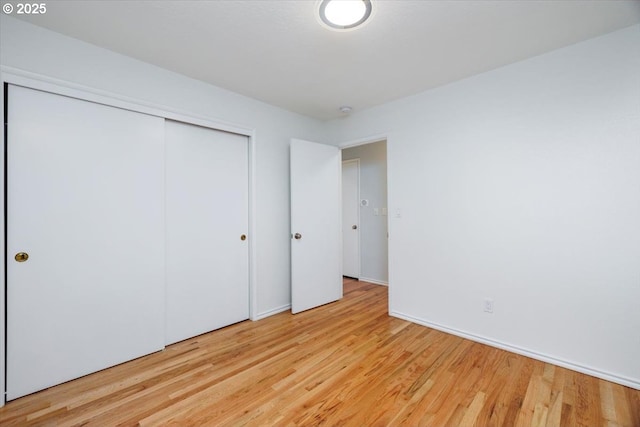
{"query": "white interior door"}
pixel 351 218
pixel 316 243
pixel 85 202
pixel 207 215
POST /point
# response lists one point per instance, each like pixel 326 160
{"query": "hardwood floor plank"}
pixel 588 401
pixel 472 412
pixel 633 404
pixel 343 364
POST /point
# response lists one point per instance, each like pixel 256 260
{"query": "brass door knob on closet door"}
pixel 21 256
pixel 243 237
pixel 297 236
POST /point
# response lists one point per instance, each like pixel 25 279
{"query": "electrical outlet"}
pixel 488 305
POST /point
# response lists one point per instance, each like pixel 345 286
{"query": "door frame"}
pixel 10 75
pixel 359 268
pixel 370 140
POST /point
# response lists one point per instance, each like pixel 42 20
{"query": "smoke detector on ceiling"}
pixel 345 109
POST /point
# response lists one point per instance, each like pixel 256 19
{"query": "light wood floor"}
pixel 343 364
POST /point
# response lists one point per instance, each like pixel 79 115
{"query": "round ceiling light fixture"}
pixel 344 14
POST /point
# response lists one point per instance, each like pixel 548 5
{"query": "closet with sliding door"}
pixel 126 232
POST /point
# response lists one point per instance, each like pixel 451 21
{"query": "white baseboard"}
pixel 271 312
pixel 374 281
pixel 629 382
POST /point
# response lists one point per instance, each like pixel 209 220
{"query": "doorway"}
pixel 370 201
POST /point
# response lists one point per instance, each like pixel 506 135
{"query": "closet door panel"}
pixel 85 204
pixel 207 215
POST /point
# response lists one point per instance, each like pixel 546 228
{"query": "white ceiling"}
pixel 277 52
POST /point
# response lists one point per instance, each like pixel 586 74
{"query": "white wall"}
pixel 373 228
pixel 523 185
pixel 36 50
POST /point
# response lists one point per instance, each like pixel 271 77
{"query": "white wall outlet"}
pixel 384 211
pixel 488 305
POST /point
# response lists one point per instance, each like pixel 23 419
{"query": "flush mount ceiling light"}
pixel 344 14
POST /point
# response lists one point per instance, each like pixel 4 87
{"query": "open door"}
pixel 316 232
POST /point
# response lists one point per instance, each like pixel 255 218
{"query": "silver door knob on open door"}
pixel 297 236
pixel 354 227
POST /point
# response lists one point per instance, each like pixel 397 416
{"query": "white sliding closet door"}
pixel 85 202
pixel 207 216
